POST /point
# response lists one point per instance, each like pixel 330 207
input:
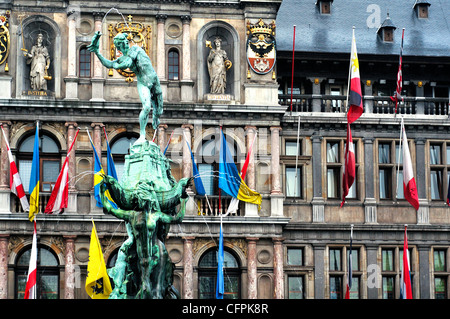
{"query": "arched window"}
pixel 207 275
pixel 120 148
pixel 49 157
pixel 47 276
pixel 84 66
pixel 174 64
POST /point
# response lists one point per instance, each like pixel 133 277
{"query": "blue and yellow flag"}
pixel 229 179
pixel 98 284
pixel 197 179
pixel 34 179
pixel 111 168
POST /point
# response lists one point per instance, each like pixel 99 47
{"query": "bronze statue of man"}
pixel 148 84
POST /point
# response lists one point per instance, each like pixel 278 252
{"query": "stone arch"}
pixel 24 131
pixel 27 243
pixel 232 46
pixel 237 252
pixel 229 134
pixel 52 40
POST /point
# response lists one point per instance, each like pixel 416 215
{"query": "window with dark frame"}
pixel 441 273
pixel 390 162
pixel 439 160
pixel 84 67
pixel 173 64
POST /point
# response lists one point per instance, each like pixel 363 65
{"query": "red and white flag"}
pixel 397 94
pixel 30 288
pixel 405 279
pixel 15 183
pixel 355 97
pixel 349 165
pixel 60 194
pixel 409 183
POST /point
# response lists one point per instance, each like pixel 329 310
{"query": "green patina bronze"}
pixel 147 197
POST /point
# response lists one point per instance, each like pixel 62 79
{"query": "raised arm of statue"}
pixel 95 47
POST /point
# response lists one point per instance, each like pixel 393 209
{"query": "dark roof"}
pixel 317 32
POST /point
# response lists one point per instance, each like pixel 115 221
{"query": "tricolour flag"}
pixel 355 97
pixel 229 179
pixel 349 165
pixel 168 143
pixel 98 285
pixel 233 207
pixel 349 276
pixel 98 169
pixel 220 285
pixel 60 193
pixel 34 179
pixel 30 288
pixel 197 179
pixel 405 279
pixel 398 91
pixel 15 182
pixel 409 183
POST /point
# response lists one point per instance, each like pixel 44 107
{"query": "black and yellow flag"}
pixel 98 285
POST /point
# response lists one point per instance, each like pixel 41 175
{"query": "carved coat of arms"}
pixel 4 39
pixel 261 46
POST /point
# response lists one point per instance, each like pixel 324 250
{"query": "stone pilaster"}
pixel 186 83
pixel 69 268
pixel 188 269
pixel 98 81
pixel 5 192
pixel 252 268
pixel 162 136
pixel 4 241
pixel 278 269
pixel 71 79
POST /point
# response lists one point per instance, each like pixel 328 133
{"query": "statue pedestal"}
pixel 219 98
pixel 5 84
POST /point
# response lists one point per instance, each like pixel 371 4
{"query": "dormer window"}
pixel 324 6
pixel 386 30
pixel 421 7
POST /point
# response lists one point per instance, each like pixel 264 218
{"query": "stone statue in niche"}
pixel 218 64
pixel 39 59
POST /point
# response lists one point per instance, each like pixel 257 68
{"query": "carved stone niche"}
pixel 230 43
pixel 31 28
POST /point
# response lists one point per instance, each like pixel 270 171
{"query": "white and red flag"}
pixel 60 193
pixel 397 94
pixel 30 288
pixel 15 183
pixel 405 280
pixel 409 183
pixel 349 165
pixel 355 97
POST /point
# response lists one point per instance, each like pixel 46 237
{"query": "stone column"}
pixel 424 272
pixel 252 269
pixel 188 269
pixel 319 271
pixel 72 201
pixel 162 136
pixel 160 47
pixel 5 192
pixel 276 195
pixel 186 83
pixel 423 214
pixel 420 98
pixel 71 79
pixel 316 94
pixel 4 241
pixel 69 269
pixel 318 203
pixel 368 97
pixel 370 204
pixel 278 271
pixel 187 161
pixel 373 274
pixel 98 80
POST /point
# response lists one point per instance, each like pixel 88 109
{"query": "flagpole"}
pixel 398 156
pixel 292 73
pixel 349 70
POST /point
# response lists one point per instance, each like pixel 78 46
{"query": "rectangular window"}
pixel 333 152
pixel 384 153
pixel 333 182
pixel 335 287
pixel 293 182
pixel 388 287
pixel 295 287
pixel 335 260
pixel 439 153
pixel 354 291
pixel 435 154
pixel 355 259
pixel 206 173
pixel 388 260
pixel 291 148
pixel 295 256
pixel 436 183
pixel 440 287
pixel 439 260
pixel 385 176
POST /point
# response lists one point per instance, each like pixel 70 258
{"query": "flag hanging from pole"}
pixel 60 194
pixel 229 179
pixel 109 159
pixel 34 179
pixel 349 276
pixel 168 142
pixel 349 165
pixel 409 183
pixel 405 280
pixel 398 91
pixel 15 182
pixel 220 285
pixel 30 288
pixel 355 99
pixel 233 207
pixel 98 285
pixel 197 179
